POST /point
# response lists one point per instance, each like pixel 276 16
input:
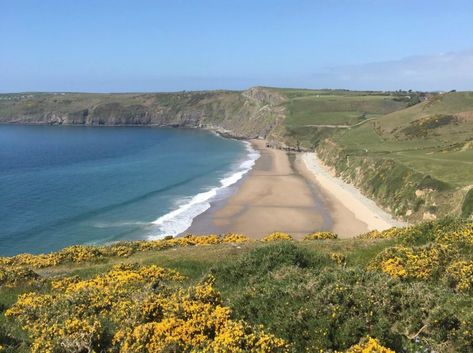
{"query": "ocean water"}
pixel 64 185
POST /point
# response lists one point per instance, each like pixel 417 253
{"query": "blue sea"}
pixel 64 185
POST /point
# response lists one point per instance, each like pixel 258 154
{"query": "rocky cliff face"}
pixel 248 114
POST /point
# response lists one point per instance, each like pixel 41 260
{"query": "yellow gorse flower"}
pixel 83 253
pixel 277 236
pixel 369 345
pixel 320 236
pixel 143 309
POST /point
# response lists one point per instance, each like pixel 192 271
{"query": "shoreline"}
pixel 200 203
pixel 325 202
pixel 278 194
pixel 364 209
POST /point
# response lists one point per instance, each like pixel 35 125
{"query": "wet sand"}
pixel 279 194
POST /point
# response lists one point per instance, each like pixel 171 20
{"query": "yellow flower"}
pixel 460 275
pixel 369 345
pixel 277 236
pixel 320 235
pixel 144 309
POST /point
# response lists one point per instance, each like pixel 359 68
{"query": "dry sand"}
pixel 363 208
pixel 279 194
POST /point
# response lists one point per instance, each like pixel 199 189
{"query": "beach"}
pixel 286 192
pixel 364 209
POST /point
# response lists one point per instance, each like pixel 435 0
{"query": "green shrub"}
pixel 265 259
pixel 317 306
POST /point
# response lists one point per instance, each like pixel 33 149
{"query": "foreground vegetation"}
pixel 401 290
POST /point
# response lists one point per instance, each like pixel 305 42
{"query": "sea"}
pixel 65 185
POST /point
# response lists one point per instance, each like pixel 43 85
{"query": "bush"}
pixel 369 345
pixel 321 307
pixel 135 309
pixel 235 238
pixel 13 275
pixel 320 235
pixel 266 259
pixel 277 236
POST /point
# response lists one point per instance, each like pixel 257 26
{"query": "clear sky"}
pixel 144 45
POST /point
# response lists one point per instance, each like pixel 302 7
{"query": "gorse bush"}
pixel 264 260
pixel 305 298
pixel 277 236
pixel 135 309
pixel 421 234
pixel 404 290
pixel 84 253
pixel 320 236
pixel 369 345
pixel 11 275
pixel 459 275
pixel 447 256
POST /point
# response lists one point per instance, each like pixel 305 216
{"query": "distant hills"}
pixel 248 114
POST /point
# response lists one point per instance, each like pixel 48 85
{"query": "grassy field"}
pixel 306 107
pixel 415 160
pixel 311 115
pixel 317 295
pixel 419 138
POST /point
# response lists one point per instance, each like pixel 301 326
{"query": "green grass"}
pixel 311 115
pixel 437 151
pixel 346 109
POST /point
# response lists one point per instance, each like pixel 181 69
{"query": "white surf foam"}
pixel 118 224
pixel 180 219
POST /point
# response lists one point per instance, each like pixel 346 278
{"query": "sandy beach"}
pixel 279 194
pixel 363 208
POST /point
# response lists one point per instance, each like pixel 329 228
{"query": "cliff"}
pixel 249 114
pixel 402 191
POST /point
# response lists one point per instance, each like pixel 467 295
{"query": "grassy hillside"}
pixel 423 154
pixel 409 289
pixel 314 114
pixel 434 137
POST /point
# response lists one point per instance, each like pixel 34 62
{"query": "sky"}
pixel 174 45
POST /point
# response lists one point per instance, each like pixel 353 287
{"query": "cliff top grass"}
pixel 411 289
pixel 311 115
pixel 338 109
pixel 433 137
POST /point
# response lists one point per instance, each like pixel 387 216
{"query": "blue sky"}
pixel 116 46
